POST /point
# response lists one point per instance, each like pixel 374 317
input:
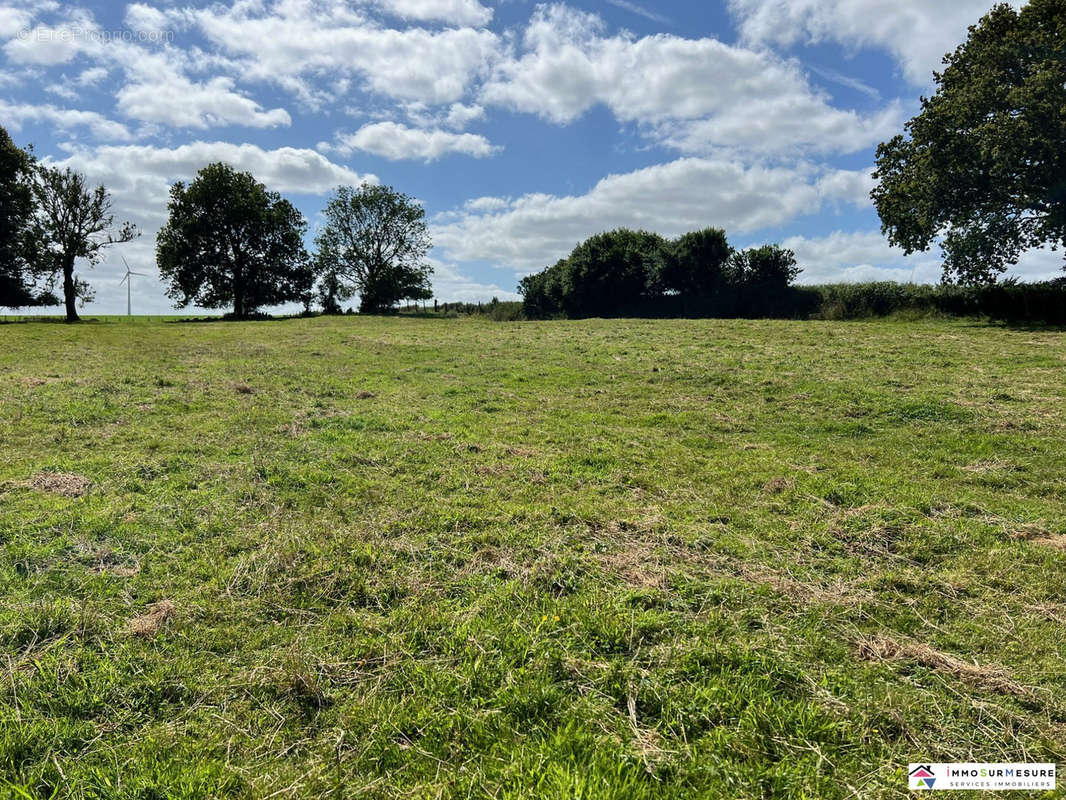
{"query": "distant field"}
pixel 417 558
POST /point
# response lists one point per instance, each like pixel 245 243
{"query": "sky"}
pixel 522 127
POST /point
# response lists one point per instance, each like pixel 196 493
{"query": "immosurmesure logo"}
pixel 988 777
pixel 922 777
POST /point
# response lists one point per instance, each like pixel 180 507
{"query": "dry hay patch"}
pixel 153 620
pixel 635 551
pixel 638 565
pixel 434 437
pixel 778 485
pixel 839 593
pixel 991 465
pixel 1056 541
pixel 67 484
pixel 988 677
pixel 1035 534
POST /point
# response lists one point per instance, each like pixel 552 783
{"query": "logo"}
pixel 987 777
pixel 922 777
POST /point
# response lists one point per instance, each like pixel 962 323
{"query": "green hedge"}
pixel 1037 303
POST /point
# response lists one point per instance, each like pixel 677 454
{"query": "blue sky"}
pixel 523 127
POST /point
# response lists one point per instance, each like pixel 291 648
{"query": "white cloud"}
pixel 916 32
pixel 129 168
pixel 13 21
pixel 157 88
pixel 696 95
pixel 173 99
pixel 397 142
pixel 852 257
pixel 451 286
pixel 454 12
pixel 64 120
pixel 291 42
pixel 460 116
pixel 859 256
pixel 834 76
pixel 641 11
pixel 537 229
pixel 91 76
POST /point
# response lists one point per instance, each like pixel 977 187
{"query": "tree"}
pixel 766 267
pixel 16 221
pixel 612 270
pixel 983 165
pixel 375 240
pixel 72 221
pixel 695 262
pixel 331 291
pixel 230 242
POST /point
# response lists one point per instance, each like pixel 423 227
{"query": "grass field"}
pixel 407 558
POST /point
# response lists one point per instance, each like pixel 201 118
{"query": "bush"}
pixel 695 263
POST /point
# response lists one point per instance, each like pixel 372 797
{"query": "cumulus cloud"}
pixel 855 256
pixel 398 142
pixel 695 95
pixel 453 12
pixel 537 229
pixel 290 42
pixel 451 286
pixel 859 256
pixel 157 87
pixel 173 99
pixel 65 120
pixel 916 32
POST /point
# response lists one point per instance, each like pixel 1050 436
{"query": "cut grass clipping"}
pixel 382 558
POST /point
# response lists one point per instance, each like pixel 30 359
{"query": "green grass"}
pixel 599 559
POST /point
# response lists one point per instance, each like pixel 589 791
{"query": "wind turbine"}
pixel 126 280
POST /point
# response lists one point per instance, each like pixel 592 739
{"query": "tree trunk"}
pixel 69 290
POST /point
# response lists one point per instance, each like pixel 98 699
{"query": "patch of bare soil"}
pixel 67 484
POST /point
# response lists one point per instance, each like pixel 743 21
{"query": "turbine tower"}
pixel 129 293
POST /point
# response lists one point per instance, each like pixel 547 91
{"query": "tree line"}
pixel 229 242
pixel 642 273
pixel 979 171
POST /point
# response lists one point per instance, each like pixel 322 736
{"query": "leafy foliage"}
pixel 768 267
pixel 695 262
pixel 983 165
pixel 642 274
pixel 16 221
pixel 375 240
pixel 72 221
pixel 231 242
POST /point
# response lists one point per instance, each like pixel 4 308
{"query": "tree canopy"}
pixel 229 242
pixel 641 273
pixel 375 240
pixel 16 220
pixel 982 167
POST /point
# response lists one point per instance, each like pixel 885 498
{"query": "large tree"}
pixel 72 221
pixel 375 239
pixel 982 168
pixel 16 220
pixel 229 242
